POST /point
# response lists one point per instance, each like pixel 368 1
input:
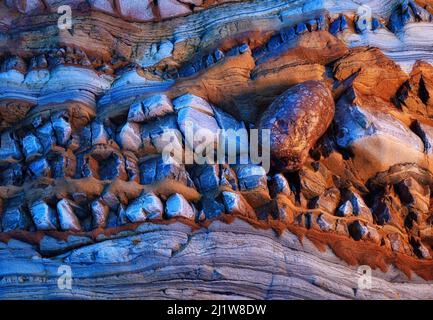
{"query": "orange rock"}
pixel 373 73
pixel 416 94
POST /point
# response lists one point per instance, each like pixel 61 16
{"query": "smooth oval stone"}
pixel 296 120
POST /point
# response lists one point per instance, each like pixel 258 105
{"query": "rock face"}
pixel 297 119
pixel 129 150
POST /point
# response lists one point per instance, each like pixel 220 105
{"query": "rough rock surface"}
pixel 297 119
pixel 89 116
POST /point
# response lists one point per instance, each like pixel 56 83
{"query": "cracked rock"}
pixel 236 204
pixel 296 120
pixel 99 214
pixel 129 137
pixel 31 147
pixel 357 230
pixel 146 206
pixel 44 217
pixel 67 218
pixel 63 130
pixel 178 206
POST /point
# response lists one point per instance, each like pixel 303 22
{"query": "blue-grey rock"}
pixel 218 54
pixel 39 168
pixel 112 220
pixel 235 204
pixel 334 27
pixel 274 42
pixel 51 246
pixel 46 136
pixel 407 16
pixel 99 135
pixel 381 211
pixel 67 218
pixel 279 184
pixel 135 113
pixel 360 208
pixel 323 223
pixel 189 100
pixel 198 64
pixel 243 48
pixel 157 53
pixel 211 208
pixel 312 25
pixel 361 25
pixel 226 121
pixel 146 206
pixel 99 214
pixel 232 52
pixel 31 146
pixel 251 176
pixel 364 128
pixel 343 23
pixel 228 178
pixel 420 13
pixel 62 165
pixel 15 218
pixel 209 60
pixel 44 217
pixel 62 129
pixel 234 132
pixel 345 210
pixel 407 12
pixel 206 177
pixel 260 50
pixel 321 23
pixel 112 167
pixel 301 28
pixel 122 219
pixel 357 230
pixel 201 125
pixel 161 133
pixel 37 121
pixel 375 24
pixel 131 167
pixel 83 167
pixel 11 174
pixel 177 206
pixel 187 70
pixel 154 169
pixel 156 106
pixel 288 34
pixel 9 150
pixel 395 22
pixel 129 136
pixel 14 63
pixel 110 199
pixel 38 62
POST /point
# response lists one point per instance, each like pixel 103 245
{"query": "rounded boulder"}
pixel 296 120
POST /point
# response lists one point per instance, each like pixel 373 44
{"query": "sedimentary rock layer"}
pixel 87 115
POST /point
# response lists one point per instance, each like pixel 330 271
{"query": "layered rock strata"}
pixel 345 92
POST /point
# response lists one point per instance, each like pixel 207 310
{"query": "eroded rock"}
pixel 67 218
pixel 178 206
pixel 146 206
pixel 296 120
